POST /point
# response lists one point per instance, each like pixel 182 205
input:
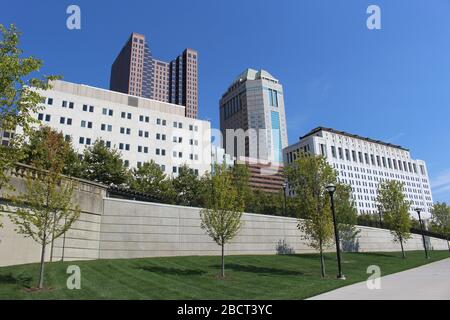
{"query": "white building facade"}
pixel 141 129
pixel 363 163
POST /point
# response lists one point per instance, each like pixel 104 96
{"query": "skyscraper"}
pixel 252 117
pixel 135 71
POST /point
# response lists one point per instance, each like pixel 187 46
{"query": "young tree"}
pixel 187 187
pixel 18 98
pixel 440 220
pixel 46 209
pixel 150 179
pixel 307 177
pixel 241 176
pixel 221 217
pixel 395 210
pixel 104 165
pixel 346 216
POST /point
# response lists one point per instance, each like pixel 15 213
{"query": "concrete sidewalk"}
pixel 431 281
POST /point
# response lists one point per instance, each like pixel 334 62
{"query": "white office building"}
pixel 141 129
pixel 5 136
pixel 363 163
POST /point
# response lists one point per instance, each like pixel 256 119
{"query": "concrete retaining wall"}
pixel 81 241
pixel 115 228
pixel 133 229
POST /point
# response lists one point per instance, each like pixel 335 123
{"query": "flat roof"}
pixel 318 129
pixel 88 91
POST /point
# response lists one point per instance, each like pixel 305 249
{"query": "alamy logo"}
pixel 374 281
pixel 374 20
pixel 74 280
pixel 73 21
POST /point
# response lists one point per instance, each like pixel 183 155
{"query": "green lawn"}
pixel 248 277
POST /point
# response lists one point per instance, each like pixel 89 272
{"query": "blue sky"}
pixel 391 84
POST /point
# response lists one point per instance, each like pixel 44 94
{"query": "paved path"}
pixel 431 281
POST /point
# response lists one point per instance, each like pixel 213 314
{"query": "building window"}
pixel 323 150
pixel 47 117
pixel 70 105
pixel 64 104
pixel 273 99
pixel 333 151
pixel 62 120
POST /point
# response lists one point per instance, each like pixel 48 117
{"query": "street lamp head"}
pixel 284 185
pixel 330 188
pixel 418 209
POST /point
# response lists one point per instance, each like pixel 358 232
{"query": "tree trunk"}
pixel 322 262
pixel 41 270
pixel 403 250
pixel 53 238
pixel 223 260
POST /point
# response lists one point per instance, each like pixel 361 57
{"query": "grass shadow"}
pixel 20 280
pixel 385 255
pixel 173 271
pixel 260 270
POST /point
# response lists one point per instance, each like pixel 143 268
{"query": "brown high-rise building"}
pixel 136 72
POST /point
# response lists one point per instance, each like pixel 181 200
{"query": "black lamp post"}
pixel 421 230
pixel 284 193
pixel 331 188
